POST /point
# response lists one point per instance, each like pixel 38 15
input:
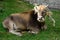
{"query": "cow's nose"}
pixel 40 19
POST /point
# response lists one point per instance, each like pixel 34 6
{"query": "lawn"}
pixel 9 7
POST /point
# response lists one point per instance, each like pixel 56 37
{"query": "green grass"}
pixel 9 7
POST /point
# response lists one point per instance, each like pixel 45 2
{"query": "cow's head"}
pixel 41 12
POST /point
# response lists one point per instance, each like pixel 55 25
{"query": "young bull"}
pixel 19 22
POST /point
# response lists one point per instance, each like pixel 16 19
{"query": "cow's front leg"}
pixel 44 27
pixel 34 30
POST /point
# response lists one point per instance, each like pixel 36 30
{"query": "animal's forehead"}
pixel 42 7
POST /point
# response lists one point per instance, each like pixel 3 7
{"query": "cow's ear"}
pixel 36 9
pixel 36 6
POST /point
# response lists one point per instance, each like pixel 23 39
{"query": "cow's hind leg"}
pixel 13 28
pixel 16 33
pixel 44 27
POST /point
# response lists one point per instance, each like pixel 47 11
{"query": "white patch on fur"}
pixel 38 12
pixel 39 17
pixel 36 8
pixel 34 32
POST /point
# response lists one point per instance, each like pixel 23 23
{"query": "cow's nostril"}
pixel 40 19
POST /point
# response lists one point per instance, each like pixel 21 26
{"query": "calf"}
pixel 19 22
